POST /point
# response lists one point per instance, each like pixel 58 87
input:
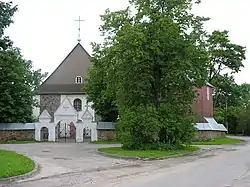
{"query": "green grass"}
pixel 147 153
pixel 219 141
pixel 18 141
pixel 106 142
pixel 13 164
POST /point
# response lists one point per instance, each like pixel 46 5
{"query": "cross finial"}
pixel 87 106
pixel 79 28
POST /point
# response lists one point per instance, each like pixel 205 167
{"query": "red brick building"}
pixel 207 126
pixel 203 105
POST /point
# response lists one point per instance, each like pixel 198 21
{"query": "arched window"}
pixel 78 80
pixel 77 104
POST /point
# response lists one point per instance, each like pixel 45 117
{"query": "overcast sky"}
pixel 46 32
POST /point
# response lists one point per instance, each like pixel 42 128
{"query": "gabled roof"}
pixel 62 89
pixel 80 60
pixel 66 108
pixel 210 85
pixel 78 44
pixel 45 115
pixel 87 115
pixel 206 82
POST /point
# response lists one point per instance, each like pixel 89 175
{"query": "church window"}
pixel 77 104
pixel 78 79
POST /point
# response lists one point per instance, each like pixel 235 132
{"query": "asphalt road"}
pixel 227 167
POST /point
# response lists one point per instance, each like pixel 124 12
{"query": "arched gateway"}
pixel 67 125
pixel 44 134
pixel 65 131
pixel 61 94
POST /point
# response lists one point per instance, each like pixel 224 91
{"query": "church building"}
pixel 61 98
pixel 64 87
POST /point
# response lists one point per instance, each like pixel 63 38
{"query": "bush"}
pixel 138 126
pixel 143 128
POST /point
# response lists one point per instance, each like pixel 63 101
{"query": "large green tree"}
pixel 6 12
pixel 148 66
pixel 97 88
pixel 225 59
pixel 244 121
pixel 234 107
pixel 18 79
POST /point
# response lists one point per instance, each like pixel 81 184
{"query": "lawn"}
pixel 13 164
pixel 148 153
pixel 219 141
pixel 18 141
pixel 106 142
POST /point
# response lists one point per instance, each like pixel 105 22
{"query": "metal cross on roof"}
pixel 79 28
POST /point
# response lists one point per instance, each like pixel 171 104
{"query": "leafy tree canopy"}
pixel 19 80
pixel 147 67
pixel 225 59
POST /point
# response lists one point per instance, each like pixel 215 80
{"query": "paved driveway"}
pixel 78 165
pixel 59 158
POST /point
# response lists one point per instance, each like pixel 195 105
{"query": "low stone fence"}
pixel 103 131
pixel 104 134
pixel 106 131
pixel 17 135
pixel 208 135
pixel 17 131
pixel 199 135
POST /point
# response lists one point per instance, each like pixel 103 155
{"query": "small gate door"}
pixel 66 131
pixel 86 134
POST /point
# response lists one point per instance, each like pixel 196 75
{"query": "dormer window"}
pixel 78 80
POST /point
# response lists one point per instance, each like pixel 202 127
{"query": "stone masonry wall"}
pixel 17 135
pixel 208 135
pixel 106 134
pixel 199 135
pixel 50 103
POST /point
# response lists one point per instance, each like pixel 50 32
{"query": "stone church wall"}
pixel 17 135
pixel 50 103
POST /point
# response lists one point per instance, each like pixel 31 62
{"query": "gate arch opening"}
pixel 65 131
pixel 44 134
pixel 86 134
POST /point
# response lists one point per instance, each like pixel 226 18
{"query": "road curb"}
pixel 149 159
pixel 30 174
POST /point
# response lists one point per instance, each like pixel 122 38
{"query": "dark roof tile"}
pixel 61 89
